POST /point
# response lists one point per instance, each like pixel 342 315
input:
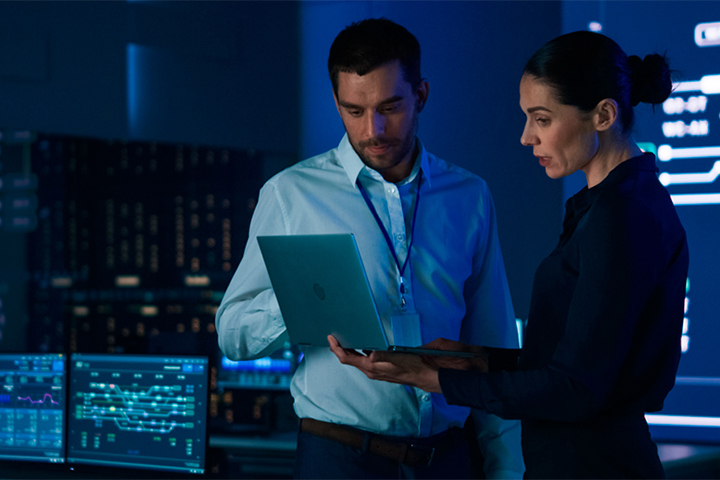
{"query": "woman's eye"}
pixel 543 122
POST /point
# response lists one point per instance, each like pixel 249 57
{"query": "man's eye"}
pixel 355 113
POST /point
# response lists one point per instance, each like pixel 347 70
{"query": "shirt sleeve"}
pixel 248 320
pixel 499 442
pixel 621 257
pixel 489 318
pixel 490 321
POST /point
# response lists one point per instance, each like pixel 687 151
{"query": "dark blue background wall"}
pixel 253 75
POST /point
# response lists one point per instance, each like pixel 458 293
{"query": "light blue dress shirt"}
pixel 454 280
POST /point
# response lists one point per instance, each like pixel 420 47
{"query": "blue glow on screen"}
pixel 133 87
pixel 260 365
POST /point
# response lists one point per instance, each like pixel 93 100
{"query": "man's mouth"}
pixel 378 149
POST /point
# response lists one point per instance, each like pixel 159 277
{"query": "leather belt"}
pixel 410 454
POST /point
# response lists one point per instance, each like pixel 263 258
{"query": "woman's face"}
pixel 562 136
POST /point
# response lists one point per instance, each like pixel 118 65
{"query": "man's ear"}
pixel 422 91
pixel 605 114
pixel 337 106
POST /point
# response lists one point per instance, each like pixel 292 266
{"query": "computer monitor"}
pixel 138 411
pixel 32 406
pixel 273 372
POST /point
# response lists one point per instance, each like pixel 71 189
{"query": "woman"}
pixel 602 344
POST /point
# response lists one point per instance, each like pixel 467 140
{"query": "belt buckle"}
pixel 428 452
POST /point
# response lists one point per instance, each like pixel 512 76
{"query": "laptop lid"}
pixel 322 290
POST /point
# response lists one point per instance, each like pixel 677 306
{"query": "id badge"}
pixel 406 329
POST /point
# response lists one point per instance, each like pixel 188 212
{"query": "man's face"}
pixel 380 113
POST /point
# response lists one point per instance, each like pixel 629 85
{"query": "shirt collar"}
pixel 354 165
pixel 626 169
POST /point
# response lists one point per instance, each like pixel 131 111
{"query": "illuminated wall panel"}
pixel 684 133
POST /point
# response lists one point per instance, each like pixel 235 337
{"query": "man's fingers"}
pixel 339 352
pixel 345 355
pixel 390 367
pixel 334 344
pixel 376 356
pixel 441 344
pixel 446 344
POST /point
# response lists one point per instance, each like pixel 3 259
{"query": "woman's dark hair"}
pixel 585 68
pixel 363 46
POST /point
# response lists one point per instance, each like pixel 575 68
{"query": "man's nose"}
pixel 376 125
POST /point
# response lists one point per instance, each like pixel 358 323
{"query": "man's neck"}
pixel 402 170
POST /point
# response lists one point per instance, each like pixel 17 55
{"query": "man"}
pixel 426 232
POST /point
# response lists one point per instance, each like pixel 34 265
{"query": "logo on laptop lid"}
pixel 319 292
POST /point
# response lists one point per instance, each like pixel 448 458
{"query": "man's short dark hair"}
pixel 363 46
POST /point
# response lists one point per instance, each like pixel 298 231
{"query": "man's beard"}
pixel 403 148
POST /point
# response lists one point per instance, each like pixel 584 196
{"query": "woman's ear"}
pixel 605 114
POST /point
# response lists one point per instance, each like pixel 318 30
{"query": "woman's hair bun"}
pixel 650 77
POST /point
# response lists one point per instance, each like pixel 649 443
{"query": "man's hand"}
pixel 403 368
pixel 408 369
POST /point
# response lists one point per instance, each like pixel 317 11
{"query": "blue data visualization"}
pixel 32 407
pixel 138 411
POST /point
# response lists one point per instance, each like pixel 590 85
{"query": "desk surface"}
pixel 276 442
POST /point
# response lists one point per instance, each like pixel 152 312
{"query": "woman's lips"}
pixel 544 161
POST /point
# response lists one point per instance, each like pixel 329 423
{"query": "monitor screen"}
pixel 273 372
pixel 138 411
pixel 32 406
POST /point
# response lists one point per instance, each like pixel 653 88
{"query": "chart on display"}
pixel 684 134
pixel 32 406
pixel 138 411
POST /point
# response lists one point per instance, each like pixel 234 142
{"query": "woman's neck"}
pixel 609 155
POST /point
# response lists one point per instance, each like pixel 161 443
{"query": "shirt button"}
pixel 400 236
pixel 425 397
pixel 391 190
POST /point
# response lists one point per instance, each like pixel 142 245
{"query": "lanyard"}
pixel 401 268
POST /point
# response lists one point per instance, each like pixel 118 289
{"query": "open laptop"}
pixel 322 289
